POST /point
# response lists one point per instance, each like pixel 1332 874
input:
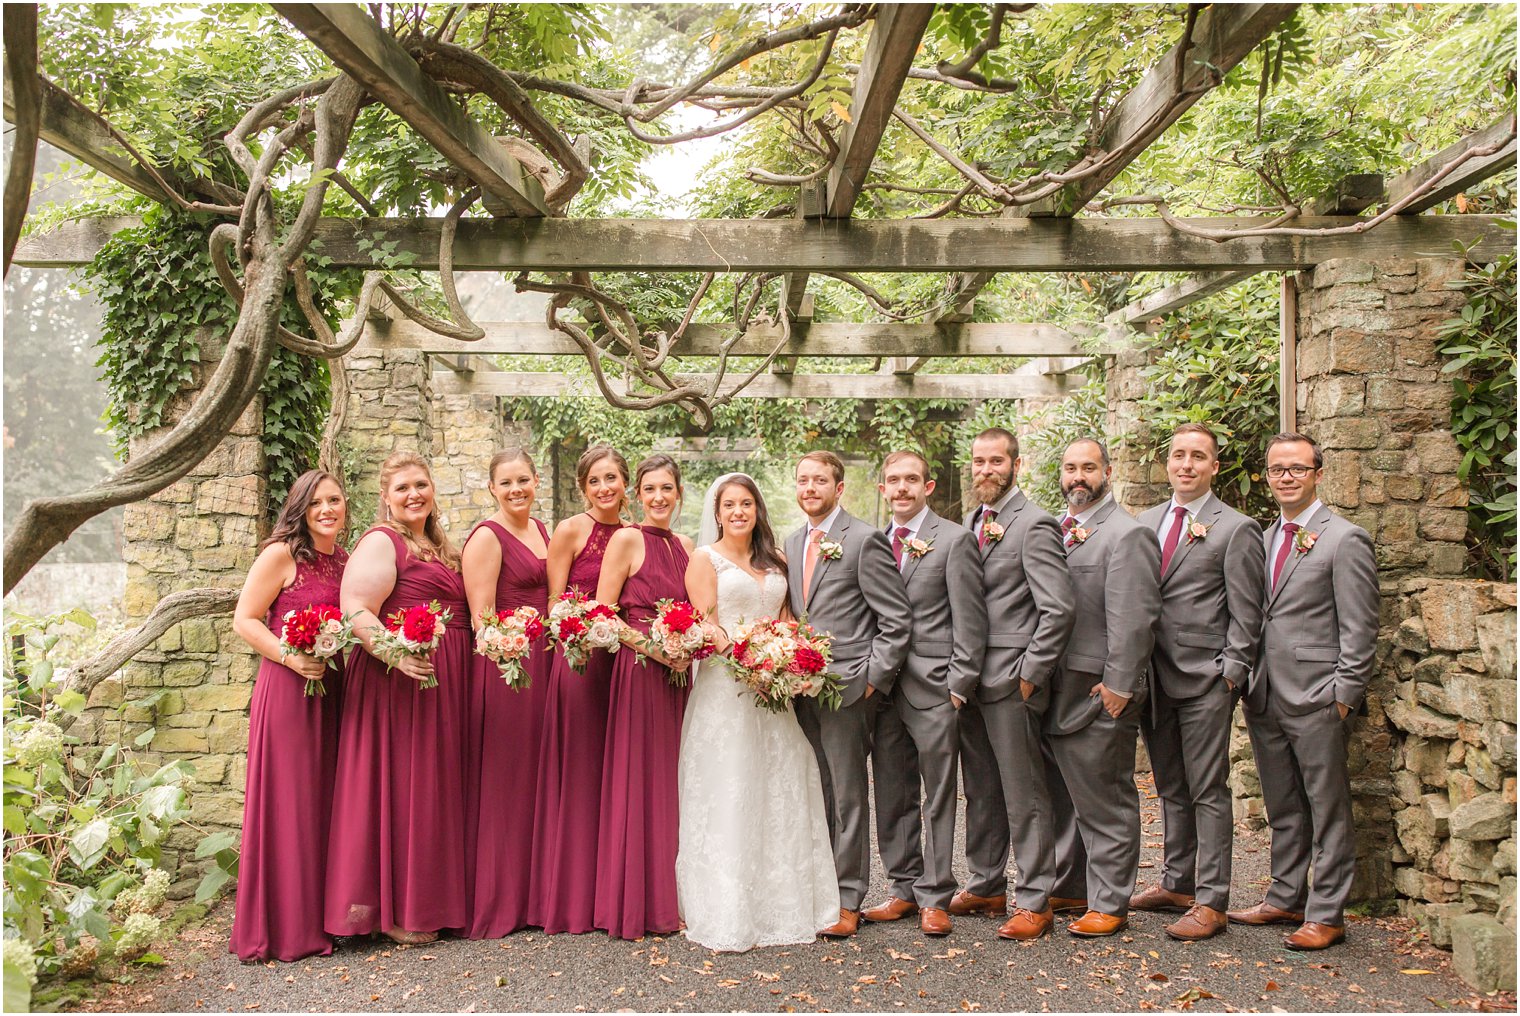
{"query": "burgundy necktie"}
pixel 988 514
pixel 1289 528
pixel 899 538
pixel 1170 546
pixel 1068 524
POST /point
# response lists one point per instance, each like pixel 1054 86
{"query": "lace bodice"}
pixel 316 581
pixel 740 596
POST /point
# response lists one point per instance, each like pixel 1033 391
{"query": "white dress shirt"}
pixel 1302 518
pixel 827 524
pixel 1190 507
pixel 912 526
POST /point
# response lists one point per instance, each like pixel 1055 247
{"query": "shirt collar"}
pixel 1303 517
pixel 1192 507
pixel 1001 504
pixel 828 523
pixel 1092 509
pixel 914 524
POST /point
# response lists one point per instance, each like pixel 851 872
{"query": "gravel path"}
pixel 885 967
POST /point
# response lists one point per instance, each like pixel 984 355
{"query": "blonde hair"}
pixel 432 528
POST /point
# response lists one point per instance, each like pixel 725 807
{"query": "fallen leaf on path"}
pixel 1416 972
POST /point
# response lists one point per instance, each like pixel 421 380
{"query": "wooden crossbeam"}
pixel 529 384
pixel 1083 244
pixel 1163 302
pixel 360 47
pixel 833 339
pixel 72 130
pixel 1222 37
pixel 1469 174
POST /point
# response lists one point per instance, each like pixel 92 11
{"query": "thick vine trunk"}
pixel 26 92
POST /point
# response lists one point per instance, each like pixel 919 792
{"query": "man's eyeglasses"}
pixel 1297 472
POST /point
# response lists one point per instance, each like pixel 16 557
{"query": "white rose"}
pixel 326 646
pixel 561 609
pixel 602 634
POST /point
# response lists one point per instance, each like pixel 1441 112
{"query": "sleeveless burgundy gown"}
pixel 506 729
pixel 398 850
pixel 568 803
pixel 292 752
pixel 639 833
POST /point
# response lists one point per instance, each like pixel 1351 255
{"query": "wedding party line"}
pixel 618 729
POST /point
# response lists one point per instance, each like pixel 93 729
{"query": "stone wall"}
pixel 389 409
pixel 1139 482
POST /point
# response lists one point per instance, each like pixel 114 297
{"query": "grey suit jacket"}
pixel 1030 603
pixel 1321 625
pixel 1115 573
pixel 1210 602
pixel 859 600
pixel 948 615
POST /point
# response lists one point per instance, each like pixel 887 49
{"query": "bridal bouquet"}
pixel 319 630
pixel 779 660
pixel 415 631
pixel 580 624
pixel 505 638
pixel 677 631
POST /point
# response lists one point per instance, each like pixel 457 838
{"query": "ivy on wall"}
pixel 161 295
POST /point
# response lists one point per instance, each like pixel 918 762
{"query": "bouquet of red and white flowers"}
pixel 779 660
pixel 580 624
pixel 318 630
pixel 415 631
pixel 505 639
pixel 677 631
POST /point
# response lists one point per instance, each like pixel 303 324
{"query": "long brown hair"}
pixel 590 457
pixel 762 549
pixel 291 528
pixel 432 528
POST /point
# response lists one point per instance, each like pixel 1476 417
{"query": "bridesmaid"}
pixel 398 857
pixel 292 738
pixel 568 804
pixel 636 843
pixel 504 568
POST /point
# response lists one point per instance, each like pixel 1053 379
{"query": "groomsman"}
pixel 916 729
pixel 1030 607
pixel 1212 568
pixel 1316 657
pixel 842 578
pixel 1094 717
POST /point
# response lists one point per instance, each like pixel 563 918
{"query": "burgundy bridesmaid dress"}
pixel 636 843
pixel 398 853
pixel 292 752
pixel 568 805
pixel 506 728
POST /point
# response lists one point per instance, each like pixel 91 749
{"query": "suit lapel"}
pixel 1314 525
pixel 835 535
pixel 925 533
pixel 1208 517
pixel 1097 520
pixel 1005 519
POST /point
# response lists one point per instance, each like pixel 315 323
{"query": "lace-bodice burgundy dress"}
pixel 567 807
pixel 636 843
pixel 292 751
pixel 398 853
pixel 506 728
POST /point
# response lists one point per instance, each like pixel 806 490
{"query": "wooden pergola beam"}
pixel 832 339
pixel 531 384
pixel 1222 37
pixel 1469 174
pixel 1083 244
pixel 1174 297
pixel 361 48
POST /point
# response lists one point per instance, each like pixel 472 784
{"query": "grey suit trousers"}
pixel 1013 727
pixel 1189 745
pixel 910 744
pixel 1096 810
pixel 841 739
pixel 987 841
pixel 1305 785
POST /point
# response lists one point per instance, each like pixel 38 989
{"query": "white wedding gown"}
pixel 754 865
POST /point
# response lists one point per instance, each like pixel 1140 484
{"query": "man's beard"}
pixel 1002 483
pixel 1078 496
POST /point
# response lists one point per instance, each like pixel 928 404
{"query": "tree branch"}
pixel 20 30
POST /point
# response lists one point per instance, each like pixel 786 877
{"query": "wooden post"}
pixel 1287 379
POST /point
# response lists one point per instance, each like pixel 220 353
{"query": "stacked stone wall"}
pixel 1139 481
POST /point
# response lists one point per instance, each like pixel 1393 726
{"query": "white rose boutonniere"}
pixel 829 550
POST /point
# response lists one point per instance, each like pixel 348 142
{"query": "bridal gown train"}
pixel 754 865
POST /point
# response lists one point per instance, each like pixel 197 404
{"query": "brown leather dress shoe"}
pixel 892 910
pixel 933 921
pixel 1061 903
pixel 849 921
pixel 1199 923
pixel 1264 913
pixel 1157 898
pixel 1315 936
pixel 1025 925
pixel 1096 925
pixel 967 903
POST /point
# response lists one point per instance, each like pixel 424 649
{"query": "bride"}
pixel 754 865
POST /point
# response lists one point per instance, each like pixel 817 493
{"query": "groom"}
pixel 842 579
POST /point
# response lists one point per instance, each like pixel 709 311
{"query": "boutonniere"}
pixel 992 532
pixel 917 548
pixel 1304 540
pixel 1196 530
pixel 1077 535
pixel 829 550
